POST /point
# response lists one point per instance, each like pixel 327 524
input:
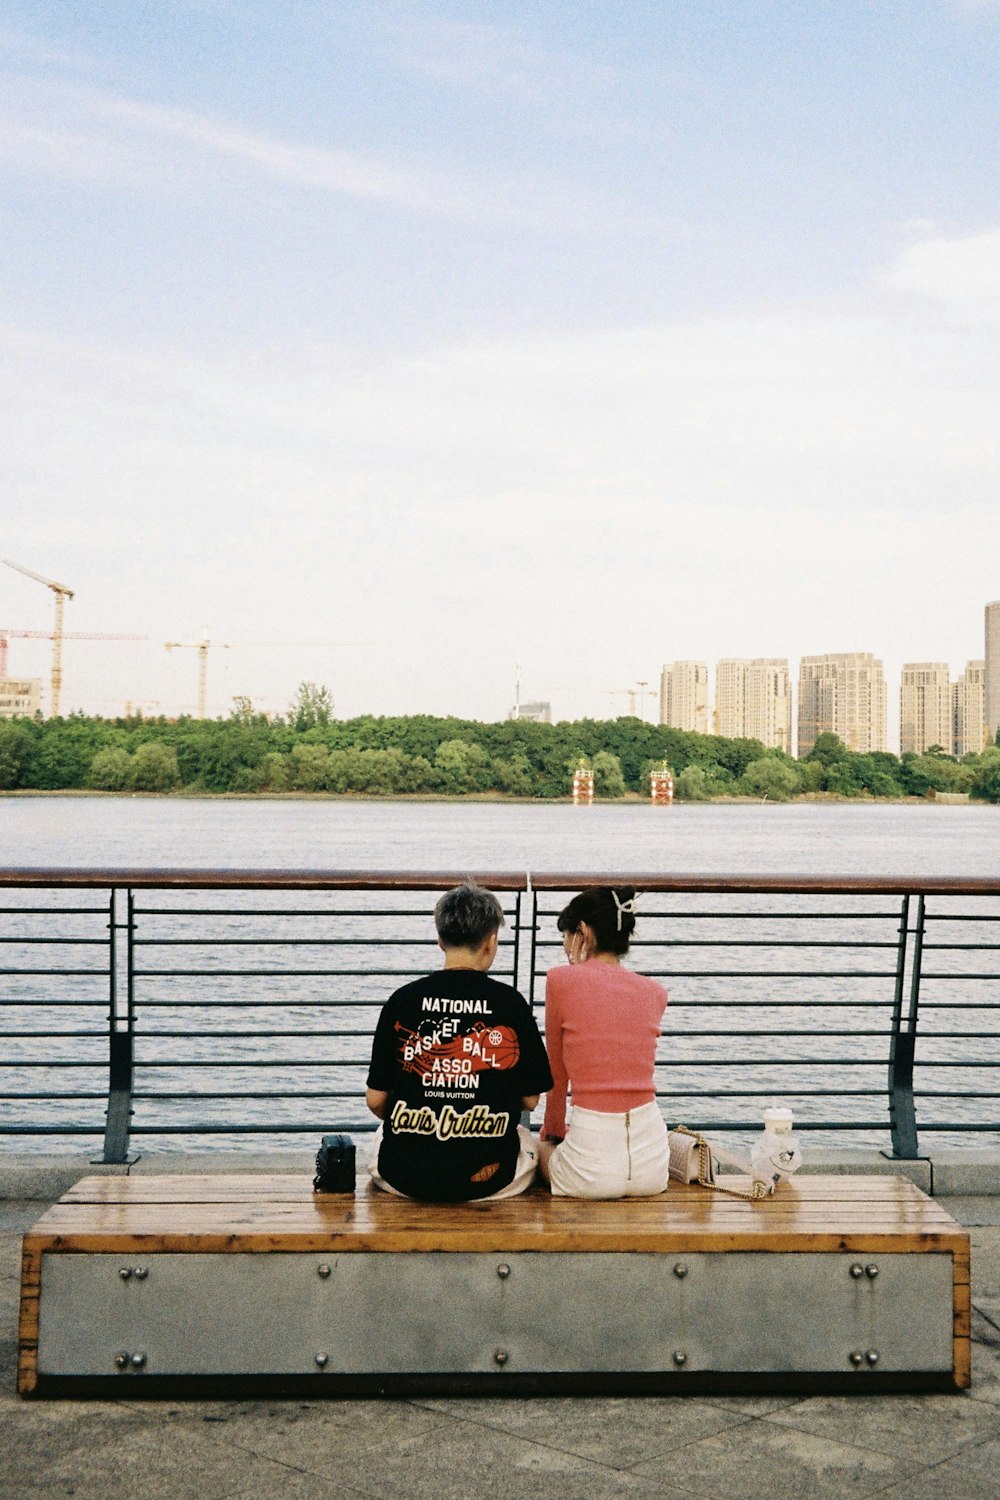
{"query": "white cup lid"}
pixel 778 1117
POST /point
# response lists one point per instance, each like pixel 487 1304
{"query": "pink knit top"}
pixel 602 1023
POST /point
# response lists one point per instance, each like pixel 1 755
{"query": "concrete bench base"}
pixel 206 1284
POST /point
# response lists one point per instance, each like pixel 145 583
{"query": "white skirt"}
pixel 612 1156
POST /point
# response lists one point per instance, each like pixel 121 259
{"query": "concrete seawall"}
pixel 43 1177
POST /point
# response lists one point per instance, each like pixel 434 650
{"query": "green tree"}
pixel 812 776
pixel 608 778
pixel 514 776
pixel 312 707
pixel 418 774
pixel 986 780
pixel 843 779
pixel 692 785
pixel 64 752
pixel 111 769
pixel 273 772
pixel 310 767
pixel 932 772
pixel 16 742
pixel 718 780
pixel 828 749
pixel 460 767
pixel 343 770
pixel 771 778
pixel 381 771
pixel 154 768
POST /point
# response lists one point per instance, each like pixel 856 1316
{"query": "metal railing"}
pixel 235 1004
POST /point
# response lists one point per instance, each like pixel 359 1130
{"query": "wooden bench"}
pixel 182 1284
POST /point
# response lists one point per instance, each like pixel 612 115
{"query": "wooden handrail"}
pixel 193 878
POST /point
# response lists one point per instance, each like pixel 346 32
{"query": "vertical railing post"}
pixel 121 1031
pixel 902 1045
pixel 533 939
pixel 516 975
pixel 529 899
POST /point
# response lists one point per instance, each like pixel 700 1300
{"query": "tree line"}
pixel 309 750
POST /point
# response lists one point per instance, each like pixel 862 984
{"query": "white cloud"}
pixel 963 271
pixel 92 134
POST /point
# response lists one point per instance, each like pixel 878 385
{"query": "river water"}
pixel 732 838
pixel 275 1019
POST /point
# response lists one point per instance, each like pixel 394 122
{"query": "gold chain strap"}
pixel 706 1172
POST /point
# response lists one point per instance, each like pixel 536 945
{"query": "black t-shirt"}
pixel 455 1052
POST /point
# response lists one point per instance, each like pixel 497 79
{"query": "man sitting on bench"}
pixel 456 1056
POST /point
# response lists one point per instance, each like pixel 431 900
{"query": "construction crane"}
pixel 202 648
pixel 632 694
pixel 62 593
pixel 68 635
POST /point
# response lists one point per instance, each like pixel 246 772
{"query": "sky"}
pixel 392 344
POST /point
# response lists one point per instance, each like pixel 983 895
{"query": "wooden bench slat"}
pixel 271 1188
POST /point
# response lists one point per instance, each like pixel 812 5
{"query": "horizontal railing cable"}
pixel 195 1045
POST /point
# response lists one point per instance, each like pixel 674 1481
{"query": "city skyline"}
pixel 754 698
pixel 584 336
pixel 842 693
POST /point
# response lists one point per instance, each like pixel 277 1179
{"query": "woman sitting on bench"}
pixel 602 1023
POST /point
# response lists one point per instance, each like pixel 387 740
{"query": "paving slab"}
pixel 310 1435
pixel 677 1448
pixel 970 1475
pixel 616 1431
pixel 164 1463
pixel 933 1427
pixel 762 1458
pixel 466 1459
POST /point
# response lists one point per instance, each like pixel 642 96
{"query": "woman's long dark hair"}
pixel 612 928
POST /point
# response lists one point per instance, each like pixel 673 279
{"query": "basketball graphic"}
pixel 481 1049
pixel 504 1045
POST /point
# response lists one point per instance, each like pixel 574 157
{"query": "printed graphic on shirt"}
pixel 475 1123
pixel 445 1057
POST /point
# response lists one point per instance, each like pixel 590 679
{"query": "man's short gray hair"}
pixel 466 916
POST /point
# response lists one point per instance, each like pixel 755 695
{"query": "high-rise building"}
pixel 20 696
pixel 925 707
pixel 684 696
pixel 753 700
pixel 539 713
pixel 968 710
pixel 992 689
pixel 842 694
pixel 730 697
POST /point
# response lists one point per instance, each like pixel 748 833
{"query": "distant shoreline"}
pixel 631 799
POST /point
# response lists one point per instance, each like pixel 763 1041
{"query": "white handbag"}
pixel 691 1161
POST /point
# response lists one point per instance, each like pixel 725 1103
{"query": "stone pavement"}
pixel 722 1448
